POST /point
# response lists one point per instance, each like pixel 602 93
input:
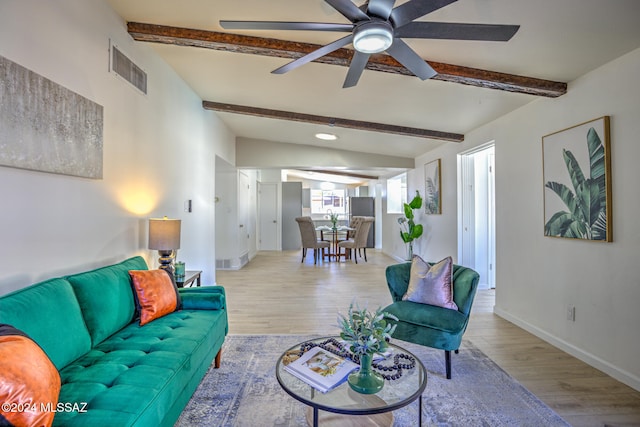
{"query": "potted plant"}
pixel 366 333
pixel 409 230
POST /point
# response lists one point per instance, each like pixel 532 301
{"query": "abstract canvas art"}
pixel 46 127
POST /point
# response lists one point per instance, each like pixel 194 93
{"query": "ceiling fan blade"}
pixel 358 62
pixel 349 10
pixel 414 9
pixel 407 57
pixel 454 31
pixel 314 55
pixel 381 8
pixel 276 25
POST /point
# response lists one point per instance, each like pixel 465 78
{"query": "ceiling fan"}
pixel 378 26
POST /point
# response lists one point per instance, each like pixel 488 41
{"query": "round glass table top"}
pixel 343 400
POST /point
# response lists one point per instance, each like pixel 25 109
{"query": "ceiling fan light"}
pixel 372 39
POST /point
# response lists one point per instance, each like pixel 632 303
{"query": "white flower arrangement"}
pixel 333 217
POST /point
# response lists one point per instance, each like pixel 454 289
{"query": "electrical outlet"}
pixel 571 312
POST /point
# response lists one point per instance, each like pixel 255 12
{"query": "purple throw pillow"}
pixel 431 283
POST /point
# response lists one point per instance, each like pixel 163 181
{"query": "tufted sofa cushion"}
pixel 147 367
pixel 50 314
pixel 106 297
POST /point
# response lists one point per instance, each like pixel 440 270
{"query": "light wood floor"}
pixel 277 294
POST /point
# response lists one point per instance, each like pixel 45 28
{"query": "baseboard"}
pixel 621 375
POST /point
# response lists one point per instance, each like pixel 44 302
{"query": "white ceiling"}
pixel 557 40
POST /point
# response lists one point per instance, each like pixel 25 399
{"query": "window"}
pixel 396 194
pixel 323 200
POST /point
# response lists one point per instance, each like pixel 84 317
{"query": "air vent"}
pixel 125 68
pixel 223 264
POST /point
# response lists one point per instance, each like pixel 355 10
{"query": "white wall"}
pixel 159 151
pixel 236 215
pixel 439 237
pixel 538 276
pixel 226 212
pixel 257 153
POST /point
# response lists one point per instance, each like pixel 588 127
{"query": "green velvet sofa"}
pixel 126 374
pixel 428 325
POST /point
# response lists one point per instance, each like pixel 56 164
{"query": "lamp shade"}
pixel 164 234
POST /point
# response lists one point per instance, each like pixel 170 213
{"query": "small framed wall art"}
pixel 432 196
pixel 576 165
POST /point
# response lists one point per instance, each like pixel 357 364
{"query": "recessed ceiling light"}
pixel 326 136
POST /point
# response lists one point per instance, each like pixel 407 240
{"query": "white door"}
pixel 243 214
pixel 268 217
pixel 491 184
pixel 477 217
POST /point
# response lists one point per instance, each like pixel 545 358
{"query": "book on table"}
pixel 321 369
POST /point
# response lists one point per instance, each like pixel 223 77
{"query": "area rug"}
pixel 245 392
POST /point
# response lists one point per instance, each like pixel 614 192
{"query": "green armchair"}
pixel 429 325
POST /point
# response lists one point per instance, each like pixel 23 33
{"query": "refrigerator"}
pixel 364 206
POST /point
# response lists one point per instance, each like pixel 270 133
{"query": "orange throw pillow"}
pixel 155 293
pixel 29 382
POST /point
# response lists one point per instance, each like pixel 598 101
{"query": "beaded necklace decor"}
pixel 334 346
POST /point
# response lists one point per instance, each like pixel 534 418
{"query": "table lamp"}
pixel 164 236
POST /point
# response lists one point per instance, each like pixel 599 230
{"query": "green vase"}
pixel 366 380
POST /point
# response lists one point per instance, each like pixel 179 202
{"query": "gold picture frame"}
pixel 432 188
pixel 576 165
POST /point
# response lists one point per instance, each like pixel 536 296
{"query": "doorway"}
pixel 268 217
pixel 476 227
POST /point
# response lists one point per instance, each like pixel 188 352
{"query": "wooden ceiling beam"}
pixel 294 50
pixel 338 173
pixel 333 121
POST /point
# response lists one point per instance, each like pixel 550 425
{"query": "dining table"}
pixel 334 234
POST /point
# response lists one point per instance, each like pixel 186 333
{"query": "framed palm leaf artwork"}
pixel 577 182
pixel 432 196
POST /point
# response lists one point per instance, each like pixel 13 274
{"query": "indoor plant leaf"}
pixel 416 203
pixel 408 212
pixel 417 231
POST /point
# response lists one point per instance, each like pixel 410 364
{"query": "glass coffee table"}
pixel 343 406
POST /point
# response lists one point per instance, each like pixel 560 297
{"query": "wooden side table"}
pixel 189 278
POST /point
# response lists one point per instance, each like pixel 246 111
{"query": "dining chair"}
pixel 355 221
pixel 359 240
pixel 310 238
pixel 352 227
